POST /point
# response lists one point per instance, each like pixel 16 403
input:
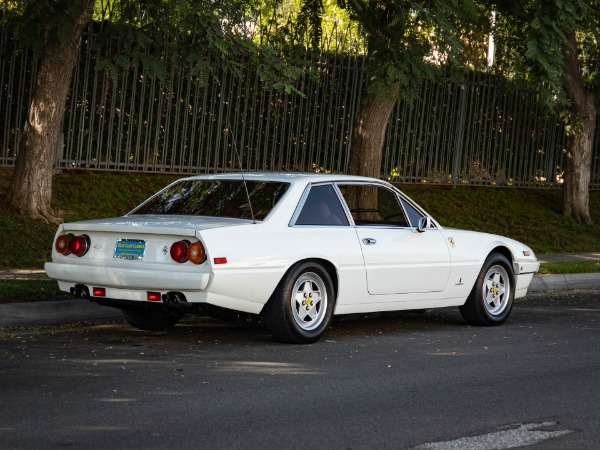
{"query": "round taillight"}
pixel 179 251
pixel 79 245
pixel 196 253
pixel 62 244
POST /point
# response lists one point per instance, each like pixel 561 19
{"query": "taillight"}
pixel 179 251
pixel 62 244
pixel 79 245
pixel 182 251
pixel 196 253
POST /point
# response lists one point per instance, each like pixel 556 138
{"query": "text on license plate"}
pixel 130 249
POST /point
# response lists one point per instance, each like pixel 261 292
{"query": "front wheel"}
pixel 152 320
pixel 491 299
pixel 302 305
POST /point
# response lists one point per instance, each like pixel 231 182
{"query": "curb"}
pixel 77 310
pixel 557 282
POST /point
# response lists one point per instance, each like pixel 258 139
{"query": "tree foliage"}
pixel 531 38
pixel 203 36
pixel 409 40
pixel 301 25
pixel 553 45
pixel 52 20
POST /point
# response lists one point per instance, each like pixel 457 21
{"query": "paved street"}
pixel 403 381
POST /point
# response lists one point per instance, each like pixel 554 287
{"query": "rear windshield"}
pixel 216 198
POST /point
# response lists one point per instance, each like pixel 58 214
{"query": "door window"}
pixel 372 205
pixel 413 215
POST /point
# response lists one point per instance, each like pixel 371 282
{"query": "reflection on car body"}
pixel 291 249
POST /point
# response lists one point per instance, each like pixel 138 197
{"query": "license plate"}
pixel 130 249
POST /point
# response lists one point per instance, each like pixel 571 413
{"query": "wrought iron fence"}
pixel 476 132
pixel 480 131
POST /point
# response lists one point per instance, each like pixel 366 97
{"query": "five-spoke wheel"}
pixel 496 290
pixel 491 299
pixel 309 301
pixel 302 305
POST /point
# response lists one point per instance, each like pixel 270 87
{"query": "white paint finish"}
pixel 258 257
pixel 471 247
pixel 155 279
pixel 469 252
pixel 401 302
pixel 407 270
pixel 404 261
pixel 522 435
pixel 104 239
pixel 165 224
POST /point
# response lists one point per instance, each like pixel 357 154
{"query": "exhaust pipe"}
pixel 176 300
pixel 80 291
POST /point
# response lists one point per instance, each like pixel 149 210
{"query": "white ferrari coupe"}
pixel 289 249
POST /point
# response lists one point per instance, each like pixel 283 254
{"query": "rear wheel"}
pixel 302 305
pixel 491 299
pixel 152 319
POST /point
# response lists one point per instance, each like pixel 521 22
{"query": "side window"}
pixel 413 215
pixel 322 207
pixel 373 205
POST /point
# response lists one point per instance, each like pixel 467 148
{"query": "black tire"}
pixel 491 299
pixel 152 320
pixel 300 309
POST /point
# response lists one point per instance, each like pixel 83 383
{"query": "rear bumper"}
pixel 130 284
pixel 159 278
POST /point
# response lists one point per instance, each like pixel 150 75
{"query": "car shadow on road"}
pixel 205 330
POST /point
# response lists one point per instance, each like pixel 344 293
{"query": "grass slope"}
pixel 529 215
pixel 27 244
pixel 532 216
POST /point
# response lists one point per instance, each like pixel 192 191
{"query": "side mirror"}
pixel 424 223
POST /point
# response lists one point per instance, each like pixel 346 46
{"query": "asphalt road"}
pixel 411 380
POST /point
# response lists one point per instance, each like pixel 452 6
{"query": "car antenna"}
pixel 242 172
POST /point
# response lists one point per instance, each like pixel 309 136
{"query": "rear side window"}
pixel 322 207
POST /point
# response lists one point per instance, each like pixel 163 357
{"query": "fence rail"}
pixel 477 132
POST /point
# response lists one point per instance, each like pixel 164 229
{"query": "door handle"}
pixel 369 241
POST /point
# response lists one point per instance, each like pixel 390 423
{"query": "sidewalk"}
pixel 557 282
pixel 22 274
pixel 567 257
pixel 77 310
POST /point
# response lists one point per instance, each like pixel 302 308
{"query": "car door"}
pixel 398 259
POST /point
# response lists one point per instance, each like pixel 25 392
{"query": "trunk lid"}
pixel 154 224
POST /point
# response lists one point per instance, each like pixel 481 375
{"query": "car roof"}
pixel 286 177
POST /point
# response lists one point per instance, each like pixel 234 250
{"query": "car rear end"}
pixel 123 260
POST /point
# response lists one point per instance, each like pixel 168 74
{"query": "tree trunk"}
pixel 369 133
pixel 577 161
pixel 367 146
pixel 30 190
